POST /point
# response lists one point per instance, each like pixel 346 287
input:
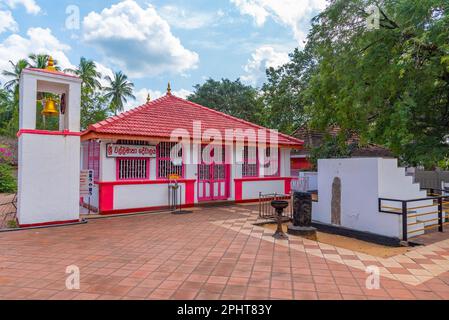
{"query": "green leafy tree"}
pixel 282 93
pixel 14 74
pixel 94 106
pixel 87 71
pixel 10 98
pixel 6 107
pixel 94 109
pixel 118 91
pixel 40 61
pixel 8 183
pixel 391 84
pixel 230 97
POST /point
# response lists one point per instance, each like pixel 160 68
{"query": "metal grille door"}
pixel 213 179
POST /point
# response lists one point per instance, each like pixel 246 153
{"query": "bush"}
pixel 12 224
pixel 8 183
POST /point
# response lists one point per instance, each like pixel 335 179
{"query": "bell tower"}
pixel 49 159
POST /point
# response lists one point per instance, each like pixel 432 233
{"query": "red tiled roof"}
pixel 59 73
pixel 159 118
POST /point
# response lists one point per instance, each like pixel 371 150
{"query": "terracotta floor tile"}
pixel 329 296
pixel 184 295
pixel 139 292
pixel 199 257
pixel 281 294
pixel 160 294
pixel 305 295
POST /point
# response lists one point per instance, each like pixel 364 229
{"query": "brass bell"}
pixel 50 108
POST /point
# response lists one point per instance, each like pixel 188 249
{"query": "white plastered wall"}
pixel 363 182
pixel 48 179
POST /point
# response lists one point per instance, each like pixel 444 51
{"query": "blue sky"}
pixel 157 41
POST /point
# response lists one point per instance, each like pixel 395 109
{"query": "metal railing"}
pixel 266 211
pixel 439 207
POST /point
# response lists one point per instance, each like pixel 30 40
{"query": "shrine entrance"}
pixel 213 176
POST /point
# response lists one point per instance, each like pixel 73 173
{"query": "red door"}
pixel 213 180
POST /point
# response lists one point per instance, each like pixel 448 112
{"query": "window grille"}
pixel 132 169
pixel 250 166
pixel 133 142
pixel 166 167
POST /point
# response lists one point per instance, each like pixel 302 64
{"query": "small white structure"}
pixel 131 156
pixel 49 161
pixel 356 185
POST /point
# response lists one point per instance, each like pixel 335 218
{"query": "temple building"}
pixel 136 155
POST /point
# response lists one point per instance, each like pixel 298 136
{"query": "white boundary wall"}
pixel 48 179
pixel 363 182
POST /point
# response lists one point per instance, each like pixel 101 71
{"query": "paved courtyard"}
pixel 214 253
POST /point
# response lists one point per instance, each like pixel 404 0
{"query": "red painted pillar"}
pixel 106 197
pixel 288 185
pixel 190 193
pixel 238 190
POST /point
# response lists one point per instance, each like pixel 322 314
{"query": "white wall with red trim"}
pixel 151 194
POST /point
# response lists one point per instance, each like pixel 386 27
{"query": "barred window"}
pixel 133 169
pixel 250 166
pixel 166 167
pixel 133 142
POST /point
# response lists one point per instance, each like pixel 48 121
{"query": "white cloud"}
pixel 141 98
pixel 291 13
pixel 137 40
pixel 105 71
pixel 7 22
pixel 142 94
pixel 30 6
pixel 181 18
pixel 39 41
pixel 263 58
pixel 183 93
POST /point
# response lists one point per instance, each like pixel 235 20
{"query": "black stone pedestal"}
pixel 302 216
pixel 305 232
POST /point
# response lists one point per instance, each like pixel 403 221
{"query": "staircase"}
pixel 395 184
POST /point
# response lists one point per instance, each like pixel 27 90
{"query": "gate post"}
pixel 440 214
pixel 404 221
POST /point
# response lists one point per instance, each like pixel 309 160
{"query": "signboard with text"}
pixel 86 183
pixel 130 151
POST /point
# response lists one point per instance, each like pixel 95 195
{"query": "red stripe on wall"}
pixel 48 133
pixel 51 223
pixel 142 210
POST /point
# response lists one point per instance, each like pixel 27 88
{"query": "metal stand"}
pixel 279 206
pixel 175 199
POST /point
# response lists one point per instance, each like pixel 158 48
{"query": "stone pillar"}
pixel 336 202
pixel 302 216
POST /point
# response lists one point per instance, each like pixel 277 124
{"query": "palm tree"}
pixel 87 71
pixel 13 84
pixel 118 91
pixel 40 61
